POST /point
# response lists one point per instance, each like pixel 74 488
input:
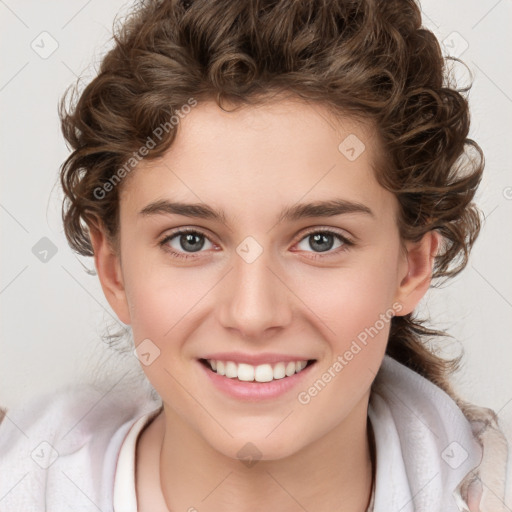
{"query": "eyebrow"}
pixel 296 212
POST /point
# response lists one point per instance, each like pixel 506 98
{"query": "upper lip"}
pixel 255 359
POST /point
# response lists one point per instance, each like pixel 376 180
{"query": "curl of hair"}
pixel 370 59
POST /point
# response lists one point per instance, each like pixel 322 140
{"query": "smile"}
pixel 271 384
pixel 260 373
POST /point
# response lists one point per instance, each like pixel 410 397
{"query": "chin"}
pixel 251 449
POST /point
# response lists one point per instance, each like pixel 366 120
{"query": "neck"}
pixel 332 473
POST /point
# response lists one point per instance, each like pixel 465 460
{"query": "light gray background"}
pixel 53 312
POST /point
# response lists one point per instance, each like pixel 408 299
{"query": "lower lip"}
pixel 255 391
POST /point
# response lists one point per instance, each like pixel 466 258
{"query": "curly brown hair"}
pixel 369 59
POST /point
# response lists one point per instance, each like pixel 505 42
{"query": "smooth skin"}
pixel 295 298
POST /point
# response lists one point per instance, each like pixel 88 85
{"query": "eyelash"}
pixel 346 242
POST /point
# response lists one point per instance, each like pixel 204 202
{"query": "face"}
pixel 268 280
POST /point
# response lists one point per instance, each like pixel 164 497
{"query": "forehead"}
pixel 256 156
pixel 304 129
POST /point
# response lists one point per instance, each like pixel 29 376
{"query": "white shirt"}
pixel 125 498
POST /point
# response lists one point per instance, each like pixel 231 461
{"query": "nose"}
pixel 255 300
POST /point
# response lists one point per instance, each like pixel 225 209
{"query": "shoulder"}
pixel 63 445
pixel 462 447
pixel 71 412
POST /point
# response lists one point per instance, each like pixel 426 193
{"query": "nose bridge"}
pixel 256 299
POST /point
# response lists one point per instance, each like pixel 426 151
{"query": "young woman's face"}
pixel 272 280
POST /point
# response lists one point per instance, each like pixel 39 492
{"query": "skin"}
pixel 252 163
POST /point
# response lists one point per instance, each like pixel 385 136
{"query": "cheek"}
pixel 161 302
pixel 355 306
pixel 158 294
pixel 164 309
pixel 351 299
pixel 356 317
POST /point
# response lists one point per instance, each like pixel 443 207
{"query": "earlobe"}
pixel 418 271
pixel 108 267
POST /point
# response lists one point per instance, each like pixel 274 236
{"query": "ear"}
pixel 108 267
pixel 416 279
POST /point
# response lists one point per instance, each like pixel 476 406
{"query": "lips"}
pixel 256 391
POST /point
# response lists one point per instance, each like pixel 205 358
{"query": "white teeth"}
pixel 245 372
pixel 263 373
pixel 231 370
pixel 260 373
pixel 279 371
pixel 290 369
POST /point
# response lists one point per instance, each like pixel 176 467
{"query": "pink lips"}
pixel 254 391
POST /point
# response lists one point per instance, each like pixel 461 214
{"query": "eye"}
pixel 184 241
pixel 322 241
pixel 188 240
